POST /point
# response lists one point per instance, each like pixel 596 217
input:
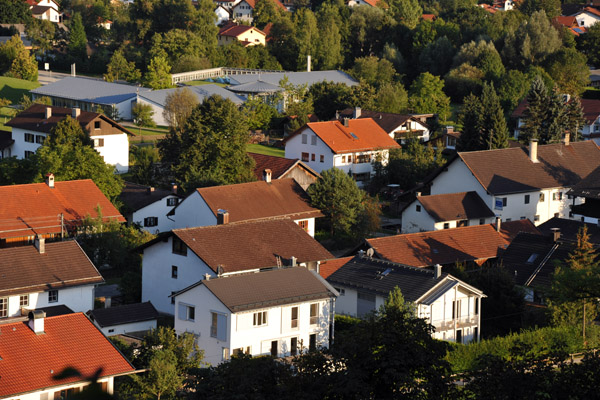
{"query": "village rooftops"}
pixel 476 243
pixel 569 228
pixel 244 246
pixel 589 186
pixel 235 30
pixel 281 198
pixel 34 361
pixel 455 206
pixel 381 277
pixel 591 109
pixel 267 289
pixel 136 196
pixel 34 119
pixel 125 314
pixel 62 264
pixel 358 135
pixel 201 92
pixel 279 166
pixel 387 121
pixel 37 208
pixel 511 170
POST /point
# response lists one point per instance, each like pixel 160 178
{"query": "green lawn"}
pixel 199 83
pixel 266 150
pixel 14 89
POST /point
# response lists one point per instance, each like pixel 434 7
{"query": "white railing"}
pixel 461 322
pixel 215 73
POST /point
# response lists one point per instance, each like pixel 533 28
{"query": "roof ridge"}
pixel 395 264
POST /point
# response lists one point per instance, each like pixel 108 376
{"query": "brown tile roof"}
pixel 279 166
pixel 360 134
pixel 258 200
pixel 30 361
pixel 510 170
pixel 235 30
pixel 136 196
pixel 124 314
pixel 25 270
pixel 470 243
pixel 387 121
pixel 6 140
pixel 326 268
pixel 455 206
pixel 34 119
pixel 588 186
pixel 267 289
pixel 36 208
pixel 250 245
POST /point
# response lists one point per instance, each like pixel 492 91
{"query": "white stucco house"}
pixel 445 211
pixel 281 313
pixel 148 207
pixel 45 10
pixel 521 183
pixel 449 304
pixel 31 127
pixel 351 146
pixel 280 198
pixel 36 349
pixel 46 275
pixel 173 260
pixel 587 17
pixel 124 319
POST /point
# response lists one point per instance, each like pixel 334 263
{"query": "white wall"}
pixel 193 211
pixel 241 331
pixel 115 150
pixel 37 395
pixel 242 11
pixel 158 111
pixel 416 221
pixel 157 283
pixel 158 209
pixel 586 19
pixel 78 299
pixel 126 328
pixel 20 145
pixel 311 225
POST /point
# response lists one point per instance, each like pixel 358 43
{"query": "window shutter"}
pixel 221 327
pixel 182 312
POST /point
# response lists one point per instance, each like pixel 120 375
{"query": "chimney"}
pixel 308 63
pixel 50 180
pixel 174 188
pixel 150 189
pixel 267 175
pixel 498 224
pixel 555 234
pixel 449 129
pixel 75 113
pixel 222 217
pixel 48 112
pixel 207 277
pixel 36 321
pixel 437 271
pixel 533 150
pixel 418 194
pixel 567 139
pixel 40 244
pixel 357 112
pixel 293 261
pixel 346 121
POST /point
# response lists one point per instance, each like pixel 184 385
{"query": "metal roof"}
pixel 258 86
pixel 202 92
pixel 296 78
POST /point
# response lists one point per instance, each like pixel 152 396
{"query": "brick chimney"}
pixel 50 180
pixel 40 244
pixel 76 112
pixel 267 175
pixel 498 224
pixel 357 113
pixel 533 147
pixel 36 321
pixel 48 112
pixel 222 217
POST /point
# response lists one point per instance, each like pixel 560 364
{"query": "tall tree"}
pixel 308 35
pixel 121 69
pixel 142 115
pixel 68 154
pixel 77 38
pixel 535 113
pixel 329 49
pixel 178 107
pixel 575 120
pixel 493 126
pixel 158 75
pixel 265 11
pixel 470 116
pixel 213 147
pixel 407 12
pixel 14 12
pixel 392 98
pixel 427 96
pixel 568 68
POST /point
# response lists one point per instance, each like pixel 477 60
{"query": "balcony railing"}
pixel 461 322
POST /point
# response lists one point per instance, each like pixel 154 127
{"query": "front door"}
pixel 459 336
pixel 274 348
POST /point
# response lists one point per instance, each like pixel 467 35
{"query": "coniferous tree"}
pixel 574 119
pixel 470 139
pixel 535 113
pixel 77 38
pixel 555 119
pixel 494 129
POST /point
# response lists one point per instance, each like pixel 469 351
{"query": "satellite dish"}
pixel 370 252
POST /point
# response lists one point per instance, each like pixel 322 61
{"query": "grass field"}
pixel 14 89
pixel 199 83
pixel 266 150
pixel 5 115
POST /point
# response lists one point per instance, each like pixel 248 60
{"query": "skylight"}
pixel 353 135
pixel 532 258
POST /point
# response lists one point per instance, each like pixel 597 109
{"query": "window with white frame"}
pixel 150 221
pixel 304 138
pixel 260 318
pixel 294 323
pixel 218 326
pixel 314 313
pixel 29 137
pixel 172 201
pixel 99 142
pixel 24 300
pixel 186 312
pixel 3 307
pixel 53 296
pixel 39 139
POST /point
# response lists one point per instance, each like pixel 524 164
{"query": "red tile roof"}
pixel 258 200
pixel 63 264
pixel 252 3
pixel 36 208
pixel 429 17
pixel 592 10
pixel 510 170
pixel 360 135
pixel 470 243
pixel 235 30
pixel 29 361
pixel 326 268
pixel 251 245
pixel 569 22
pixel 279 166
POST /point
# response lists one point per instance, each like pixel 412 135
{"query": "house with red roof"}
pixel 51 209
pixel 32 126
pixel 244 10
pixel 37 349
pixel 45 10
pixel 370 3
pixel 588 16
pixel 591 115
pixel 246 35
pixel 351 145
pixel 178 258
pixel 283 168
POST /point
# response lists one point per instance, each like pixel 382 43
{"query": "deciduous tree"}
pixel 158 75
pixel 427 96
pixel 121 69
